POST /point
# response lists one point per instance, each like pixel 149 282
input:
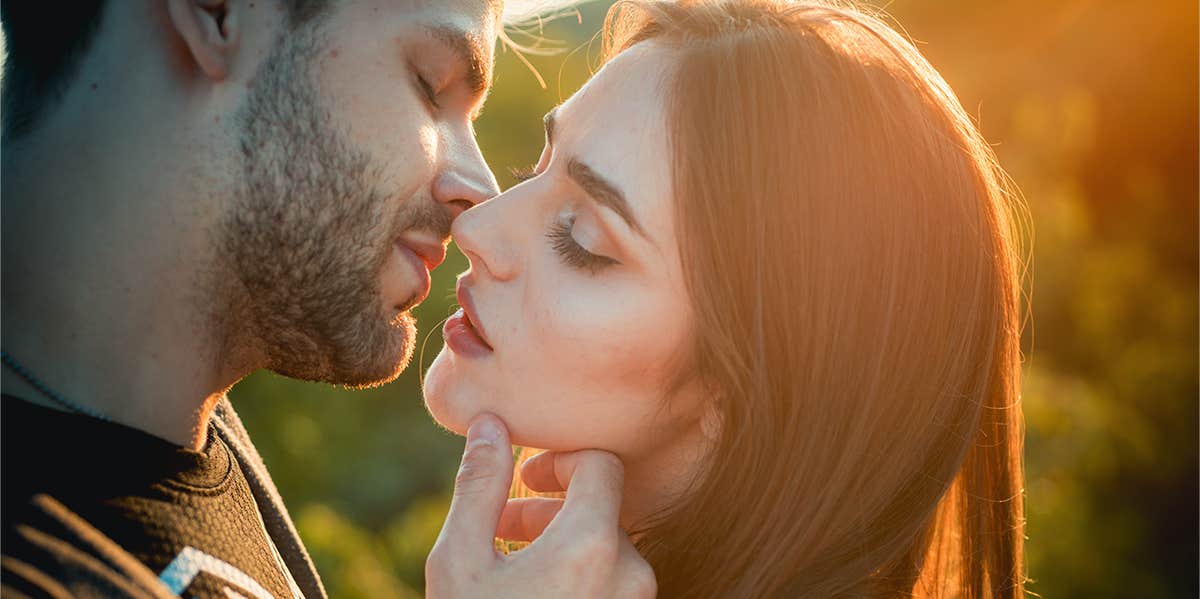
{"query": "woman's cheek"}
pixel 589 364
pixel 625 347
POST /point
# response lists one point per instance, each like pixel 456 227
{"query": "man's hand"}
pixel 578 549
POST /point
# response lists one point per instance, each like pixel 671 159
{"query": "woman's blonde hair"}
pixel 849 247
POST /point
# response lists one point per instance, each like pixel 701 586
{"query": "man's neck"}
pixel 191 434
pixel 108 303
pixel 107 368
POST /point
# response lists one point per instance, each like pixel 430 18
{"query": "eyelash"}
pixel 522 173
pixel 573 254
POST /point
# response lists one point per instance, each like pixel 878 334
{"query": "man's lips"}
pixel 431 251
pixel 462 290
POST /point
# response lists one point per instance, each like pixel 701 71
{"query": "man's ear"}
pixel 210 30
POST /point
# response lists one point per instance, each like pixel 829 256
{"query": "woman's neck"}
pixel 656 481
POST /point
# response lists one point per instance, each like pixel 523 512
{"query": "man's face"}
pixel 357 151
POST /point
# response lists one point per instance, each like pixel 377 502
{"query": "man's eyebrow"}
pixel 471 51
pixel 604 193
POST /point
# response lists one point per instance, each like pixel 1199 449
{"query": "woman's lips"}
pixel 463 332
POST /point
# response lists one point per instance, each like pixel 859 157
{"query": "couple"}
pixel 758 298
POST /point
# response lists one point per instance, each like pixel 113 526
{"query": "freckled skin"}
pixel 582 360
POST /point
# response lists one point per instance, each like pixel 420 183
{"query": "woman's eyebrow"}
pixel 604 193
pixel 598 188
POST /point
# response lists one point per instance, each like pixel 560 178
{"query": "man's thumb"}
pixel 481 487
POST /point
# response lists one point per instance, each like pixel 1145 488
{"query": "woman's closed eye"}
pixel 571 252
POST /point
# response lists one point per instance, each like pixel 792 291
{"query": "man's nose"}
pixel 465 181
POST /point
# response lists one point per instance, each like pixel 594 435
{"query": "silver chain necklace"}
pixel 44 389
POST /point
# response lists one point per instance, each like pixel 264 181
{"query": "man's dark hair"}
pixel 46 41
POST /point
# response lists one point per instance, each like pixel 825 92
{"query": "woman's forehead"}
pixel 629 89
pixel 617 120
pixel 616 125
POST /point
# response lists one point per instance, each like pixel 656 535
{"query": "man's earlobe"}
pixel 209 29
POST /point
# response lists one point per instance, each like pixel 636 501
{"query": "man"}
pixel 195 189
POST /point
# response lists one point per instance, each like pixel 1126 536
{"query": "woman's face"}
pixel 576 310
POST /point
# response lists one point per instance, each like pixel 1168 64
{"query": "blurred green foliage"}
pixel 1092 106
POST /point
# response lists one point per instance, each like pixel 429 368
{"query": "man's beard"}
pixel 309 232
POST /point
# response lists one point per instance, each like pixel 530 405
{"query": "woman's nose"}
pixel 486 237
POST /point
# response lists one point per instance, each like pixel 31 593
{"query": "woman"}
pixel 767 260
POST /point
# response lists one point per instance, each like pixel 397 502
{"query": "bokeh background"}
pixel 1092 106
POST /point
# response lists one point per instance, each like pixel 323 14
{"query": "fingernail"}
pixel 484 429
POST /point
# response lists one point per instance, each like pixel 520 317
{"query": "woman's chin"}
pixel 454 398
pixel 454 403
pixel 446 417
pixel 440 390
